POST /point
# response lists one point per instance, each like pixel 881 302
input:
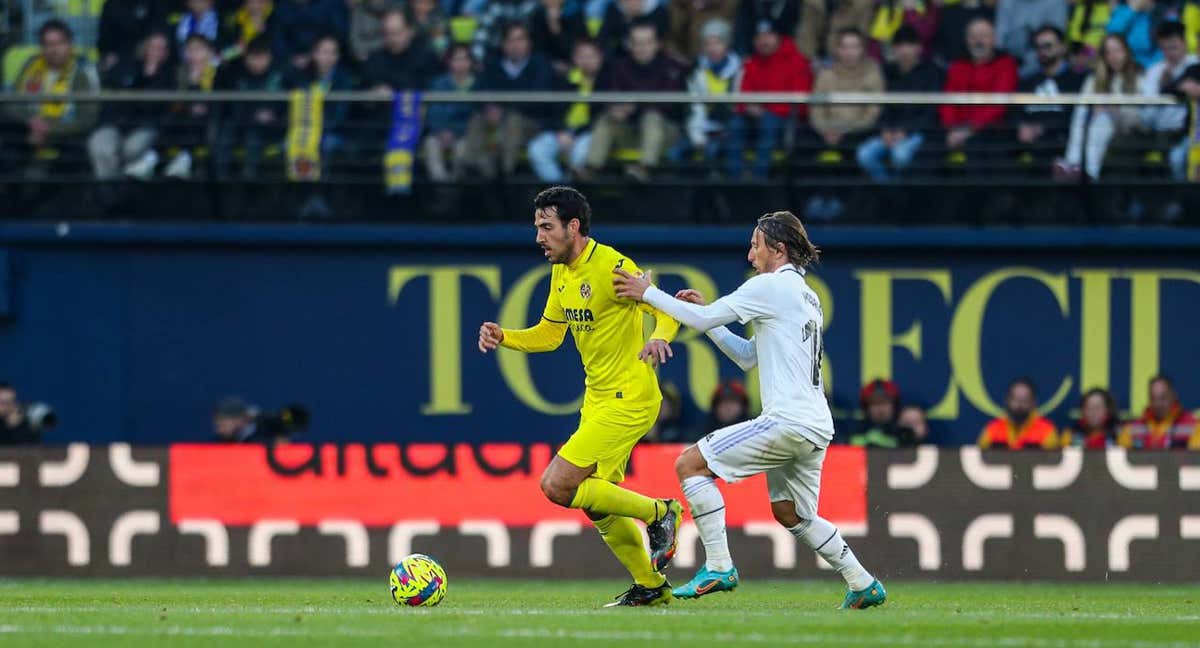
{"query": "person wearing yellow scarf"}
pixel 243 25
pixel 55 70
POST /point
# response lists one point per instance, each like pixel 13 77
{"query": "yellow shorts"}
pixel 606 437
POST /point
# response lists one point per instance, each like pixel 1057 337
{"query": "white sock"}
pixel 824 538
pixel 708 512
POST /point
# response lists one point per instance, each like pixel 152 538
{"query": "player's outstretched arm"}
pixel 546 335
pixel 698 317
pixel 735 347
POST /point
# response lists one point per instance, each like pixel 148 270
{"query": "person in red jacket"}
pixel 1164 424
pixel 1021 426
pixel 986 71
pixel 775 66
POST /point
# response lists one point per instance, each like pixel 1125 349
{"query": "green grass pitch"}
pixel 265 612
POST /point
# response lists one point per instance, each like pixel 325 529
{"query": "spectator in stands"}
pixel 1115 73
pixel 822 20
pixel 366 26
pixel 446 123
pixel 14 428
pixel 1168 124
pixel 687 19
pixel 668 428
pixel 125 139
pixel 432 25
pixel 499 131
pixel 404 62
pixel 236 422
pixel 779 16
pixel 250 125
pixel 974 129
pixel 298 24
pixel 188 124
pixel 730 404
pixel 249 21
pixel 1018 21
pixel 775 66
pixel 570 135
pixel 950 41
pixel 718 71
pixel 1021 426
pixel 1135 21
pixel 892 15
pixel 1097 425
pixel 1164 424
pixel 913 418
pixel 1089 22
pixel 880 403
pixel 902 128
pixel 555 27
pixel 620 18
pixel 1042 129
pixel 844 127
pixel 493 24
pixel 201 18
pixel 124 24
pixel 648 126
pixel 325 72
pixel 33 128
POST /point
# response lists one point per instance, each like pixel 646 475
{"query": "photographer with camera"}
pixel 22 424
pixel 236 422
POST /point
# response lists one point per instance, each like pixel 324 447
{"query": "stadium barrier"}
pixel 220 510
pixel 133 332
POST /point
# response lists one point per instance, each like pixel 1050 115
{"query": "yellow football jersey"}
pixel 607 329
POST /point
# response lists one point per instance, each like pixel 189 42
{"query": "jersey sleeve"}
pixel 665 326
pixel 554 310
pixel 750 301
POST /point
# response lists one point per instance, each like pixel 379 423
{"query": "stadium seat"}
pixel 14 59
pixel 462 29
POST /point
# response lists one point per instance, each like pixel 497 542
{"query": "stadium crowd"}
pixel 704 47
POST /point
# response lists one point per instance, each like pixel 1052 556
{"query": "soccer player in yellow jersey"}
pixel 621 400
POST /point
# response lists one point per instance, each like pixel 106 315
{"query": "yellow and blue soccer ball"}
pixel 418 581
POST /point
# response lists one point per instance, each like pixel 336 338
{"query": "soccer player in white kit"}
pixel 788 440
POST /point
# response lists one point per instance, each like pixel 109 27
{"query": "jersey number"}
pixel 812 333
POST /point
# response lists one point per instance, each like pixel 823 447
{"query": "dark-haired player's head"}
pixel 56 39
pixel 1172 40
pixel 1021 400
pixel 779 239
pixel 563 219
pixel 1163 398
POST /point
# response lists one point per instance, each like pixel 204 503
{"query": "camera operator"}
pixel 236 422
pixel 15 428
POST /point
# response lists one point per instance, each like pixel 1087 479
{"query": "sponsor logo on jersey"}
pixel 579 315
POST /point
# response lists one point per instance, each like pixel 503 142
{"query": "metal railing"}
pixel 799 98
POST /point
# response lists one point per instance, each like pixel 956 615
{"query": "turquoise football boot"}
pixel 707 581
pixel 873 595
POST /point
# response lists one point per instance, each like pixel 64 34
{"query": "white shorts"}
pixel 792 463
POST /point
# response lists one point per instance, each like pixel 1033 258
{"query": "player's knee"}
pixel 785 514
pixel 689 463
pixel 556 491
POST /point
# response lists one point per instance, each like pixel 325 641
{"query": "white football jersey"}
pixel 787 320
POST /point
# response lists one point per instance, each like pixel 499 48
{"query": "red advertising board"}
pixel 380 485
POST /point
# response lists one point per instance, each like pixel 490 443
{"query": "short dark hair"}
pixel 587 41
pixel 1162 378
pixel 1028 382
pixel 568 204
pixel 6 385
pixel 325 36
pixel 258 45
pixel 850 31
pixel 512 26
pixel 1170 29
pixel 456 48
pixel 907 34
pixel 783 227
pixel 1050 29
pixel 644 23
pixel 54 24
pixel 200 38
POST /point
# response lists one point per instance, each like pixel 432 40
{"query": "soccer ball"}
pixel 418 581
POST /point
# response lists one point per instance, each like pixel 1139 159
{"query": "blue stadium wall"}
pixel 132 332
